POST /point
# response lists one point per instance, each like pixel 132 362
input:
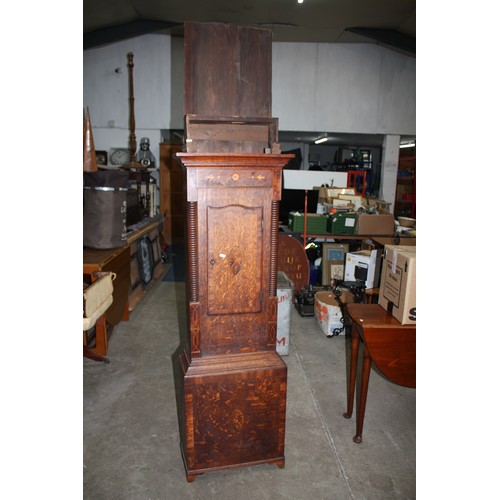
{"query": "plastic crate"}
pixel 316 223
pixel 341 223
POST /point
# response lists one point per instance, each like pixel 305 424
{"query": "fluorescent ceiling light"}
pixel 407 145
pixel 322 139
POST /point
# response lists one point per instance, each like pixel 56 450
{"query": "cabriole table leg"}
pixel 365 378
pixel 353 371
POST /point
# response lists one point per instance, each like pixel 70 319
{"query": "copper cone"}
pixel 89 159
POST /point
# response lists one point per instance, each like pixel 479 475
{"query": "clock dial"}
pixel 119 156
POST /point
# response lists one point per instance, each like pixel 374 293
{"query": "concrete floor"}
pixel 131 438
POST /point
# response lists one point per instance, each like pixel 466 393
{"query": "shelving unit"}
pixel 405 203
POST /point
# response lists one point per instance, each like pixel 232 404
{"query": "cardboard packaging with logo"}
pixel 398 283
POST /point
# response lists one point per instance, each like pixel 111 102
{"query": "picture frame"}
pixel 101 157
pixel 333 261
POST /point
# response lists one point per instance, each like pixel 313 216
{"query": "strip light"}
pixel 407 145
pixel 322 139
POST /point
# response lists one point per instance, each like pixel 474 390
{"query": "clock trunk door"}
pixel 234 244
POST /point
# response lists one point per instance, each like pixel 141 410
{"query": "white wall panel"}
pixel 294 85
pixel 351 88
pixel 397 102
pixel 347 87
pixel 106 92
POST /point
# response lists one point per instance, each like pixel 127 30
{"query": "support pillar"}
pixel 389 173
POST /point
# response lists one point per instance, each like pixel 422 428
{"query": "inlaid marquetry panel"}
pixel 234 259
pixel 234 178
pixel 237 414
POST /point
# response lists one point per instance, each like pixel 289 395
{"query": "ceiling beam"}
pixel 124 31
pixel 390 38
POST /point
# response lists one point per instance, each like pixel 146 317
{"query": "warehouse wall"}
pixel 361 88
pixel 106 90
pixel 105 82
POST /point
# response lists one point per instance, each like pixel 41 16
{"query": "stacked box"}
pixel 333 261
pixel 370 224
pixel 341 223
pixel 316 223
pixel 364 266
pixel 328 312
pixel 398 283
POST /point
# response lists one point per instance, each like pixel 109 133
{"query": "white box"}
pixel 363 266
pixel 328 313
pixel 284 293
pixel 398 283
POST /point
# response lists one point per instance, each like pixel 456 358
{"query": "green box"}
pixel 342 223
pixel 316 223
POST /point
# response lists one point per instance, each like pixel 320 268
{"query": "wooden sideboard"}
pixel 171 194
pixel 146 266
pixel 130 284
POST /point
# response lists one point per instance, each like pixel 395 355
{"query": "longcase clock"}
pixel 233 381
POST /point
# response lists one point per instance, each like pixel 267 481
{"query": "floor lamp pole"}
pixel 305 219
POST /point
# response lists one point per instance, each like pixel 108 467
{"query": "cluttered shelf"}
pixel 343 224
pixel 407 236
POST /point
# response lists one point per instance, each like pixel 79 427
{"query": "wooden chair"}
pixel 97 297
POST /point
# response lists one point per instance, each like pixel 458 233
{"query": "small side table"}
pixel 388 343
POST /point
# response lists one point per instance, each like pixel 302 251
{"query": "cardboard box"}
pixel 382 206
pixel 333 262
pixel 398 283
pixel 328 313
pixel 375 224
pixel 364 266
pixel 326 194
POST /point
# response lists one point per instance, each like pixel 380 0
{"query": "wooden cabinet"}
pixel 171 194
pixel 233 382
pixel 146 267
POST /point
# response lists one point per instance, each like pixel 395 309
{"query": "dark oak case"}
pixel 234 382
pixel 232 404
